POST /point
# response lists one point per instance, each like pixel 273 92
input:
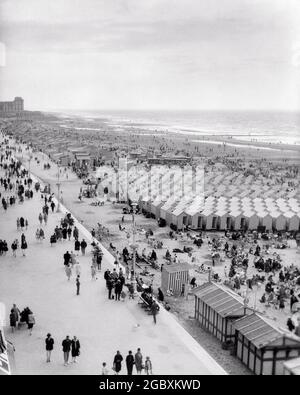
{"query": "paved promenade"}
pixel 103 326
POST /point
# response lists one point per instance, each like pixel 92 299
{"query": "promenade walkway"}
pixel 103 326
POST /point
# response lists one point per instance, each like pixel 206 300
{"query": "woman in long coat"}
pixel 138 360
pixel 75 348
pixel 23 244
pixel 118 362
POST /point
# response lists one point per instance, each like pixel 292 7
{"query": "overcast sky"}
pixel 151 54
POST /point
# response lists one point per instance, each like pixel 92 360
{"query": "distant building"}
pixel 168 160
pixel 16 106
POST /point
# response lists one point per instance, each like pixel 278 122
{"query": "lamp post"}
pixel 58 189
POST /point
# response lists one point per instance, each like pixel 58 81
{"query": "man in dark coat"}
pixel 118 289
pixel 129 363
pixel 67 257
pixel 66 344
pixel 78 285
pixel 49 346
pixel 118 362
pixel 110 286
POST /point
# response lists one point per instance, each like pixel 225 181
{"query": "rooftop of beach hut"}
pixel 235 213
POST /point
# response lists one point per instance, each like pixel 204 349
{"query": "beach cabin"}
pixel 236 218
pixel 262 347
pixel 146 205
pixel 265 221
pixel 278 220
pixel 222 216
pixel 292 221
pixel 193 212
pixel 179 218
pixel 252 220
pixel 292 367
pixel 156 205
pixel 175 277
pixel 216 308
pixel 209 219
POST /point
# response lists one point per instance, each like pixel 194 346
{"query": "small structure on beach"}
pixel 262 347
pixel 175 278
pixel 216 309
pixel 292 367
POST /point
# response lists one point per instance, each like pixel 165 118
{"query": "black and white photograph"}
pixel 149 189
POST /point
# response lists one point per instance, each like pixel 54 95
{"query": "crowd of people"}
pixel 130 361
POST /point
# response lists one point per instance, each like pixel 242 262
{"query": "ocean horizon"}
pixel 262 126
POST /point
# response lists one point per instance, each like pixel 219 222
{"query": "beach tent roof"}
pixel 222 301
pixel 258 331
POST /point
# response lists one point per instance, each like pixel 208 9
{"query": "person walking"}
pixel 148 366
pixel 117 366
pixel 129 363
pixel 67 257
pixel 49 346
pixel 23 244
pixel 64 233
pixel 77 246
pixel 75 233
pixel 93 272
pixel 110 286
pixel 14 247
pixel 154 309
pixel 66 345
pixel 77 285
pixel 40 219
pixel 118 289
pixel 77 268
pixel 18 223
pixel 45 218
pixel 42 235
pixel 22 223
pixel 68 271
pixel 17 314
pixel 138 360
pixel 105 371
pixel 69 232
pixel 12 320
pixel 75 349
pixel 30 322
pixel 83 246
pixel 99 261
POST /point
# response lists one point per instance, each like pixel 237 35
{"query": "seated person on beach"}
pixel 112 246
pixel 193 282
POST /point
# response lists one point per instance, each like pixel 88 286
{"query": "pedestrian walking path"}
pixel 103 326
